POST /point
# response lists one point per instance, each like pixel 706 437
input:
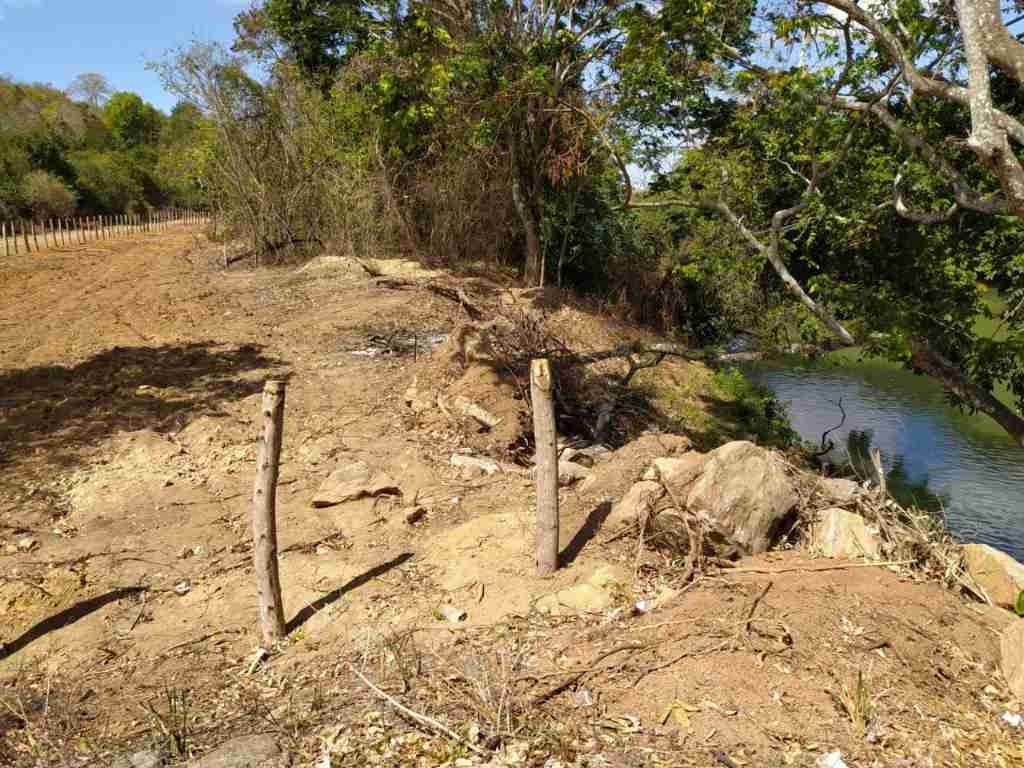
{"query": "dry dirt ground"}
pixel 129 387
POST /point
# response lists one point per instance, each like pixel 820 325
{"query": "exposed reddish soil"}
pixel 129 385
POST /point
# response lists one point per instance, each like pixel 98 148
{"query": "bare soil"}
pixel 129 385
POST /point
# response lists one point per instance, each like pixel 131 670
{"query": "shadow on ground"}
pixel 56 410
pixel 65 617
pixel 332 597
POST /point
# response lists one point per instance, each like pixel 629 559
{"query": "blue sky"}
pixel 51 41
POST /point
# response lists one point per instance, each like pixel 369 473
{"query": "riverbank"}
pixel 127 596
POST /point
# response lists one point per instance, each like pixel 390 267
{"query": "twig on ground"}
pixel 753 605
pixel 423 720
pixel 801 569
pixel 576 674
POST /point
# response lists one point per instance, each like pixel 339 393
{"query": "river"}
pixel 962 465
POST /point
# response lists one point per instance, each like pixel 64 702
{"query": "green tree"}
pixel 132 121
pixel 47 196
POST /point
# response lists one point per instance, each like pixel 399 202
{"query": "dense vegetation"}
pixel 108 153
pixel 821 173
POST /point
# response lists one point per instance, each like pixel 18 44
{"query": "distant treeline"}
pixel 89 151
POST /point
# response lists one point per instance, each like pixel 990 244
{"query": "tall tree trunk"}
pixel 928 360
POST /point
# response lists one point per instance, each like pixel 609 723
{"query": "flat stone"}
pixel 996 572
pixel 838 489
pixel 581 598
pixel 259 751
pixel 839 533
pixel 489 466
pixel 353 481
pixel 1011 646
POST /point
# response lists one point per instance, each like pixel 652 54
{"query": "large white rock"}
pixel 1011 646
pixel 746 492
pixel 838 533
pixel 996 572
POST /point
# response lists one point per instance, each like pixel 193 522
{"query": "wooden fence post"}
pixel 24 234
pixel 545 435
pixel 7 245
pixel 35 234
pixel 264 516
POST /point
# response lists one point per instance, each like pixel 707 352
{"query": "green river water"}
pixel 964 466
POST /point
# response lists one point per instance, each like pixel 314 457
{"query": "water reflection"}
pixel 962 465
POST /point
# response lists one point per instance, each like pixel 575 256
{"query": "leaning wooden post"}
pixel 264 516
pixel 547 466
pixel 24 234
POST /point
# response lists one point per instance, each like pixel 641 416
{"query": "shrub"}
pixel 47 196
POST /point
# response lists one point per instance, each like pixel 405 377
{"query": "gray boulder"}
pixel 746 492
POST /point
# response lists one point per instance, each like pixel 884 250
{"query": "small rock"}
pixel 832 760
pixel 452 614
pixel 996 572
pixel 27 544
pixel 489 466
pixel 244 752
pixel 576 456
pixel 414 515
pixel 570 472
pixel 1011 647
pixel 471 472
pixel 839 533
pixel 183 587
pixel 839 490
pixel 417 401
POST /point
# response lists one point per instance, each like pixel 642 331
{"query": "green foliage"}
pixel 47 196
pixel 131 121
pixel 57 154
pixel 1019 606
pixel 757 407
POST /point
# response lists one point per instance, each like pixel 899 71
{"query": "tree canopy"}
pixel 833 173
